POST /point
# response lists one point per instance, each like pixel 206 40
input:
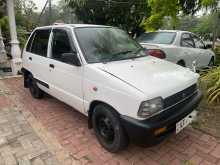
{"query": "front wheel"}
pixel 108 129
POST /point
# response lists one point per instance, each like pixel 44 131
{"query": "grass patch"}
pixel 217 53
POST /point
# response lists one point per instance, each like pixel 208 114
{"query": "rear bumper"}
pixel 143 131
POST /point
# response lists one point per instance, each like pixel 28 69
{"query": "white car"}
pixel 107 76
pixel 180 47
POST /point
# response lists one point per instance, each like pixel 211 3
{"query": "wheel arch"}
pixel 181 62
pixel 93 104
pixel 25 74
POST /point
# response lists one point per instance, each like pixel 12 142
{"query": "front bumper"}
pixel 143 131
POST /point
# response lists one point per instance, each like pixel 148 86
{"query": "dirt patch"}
pixel 208 119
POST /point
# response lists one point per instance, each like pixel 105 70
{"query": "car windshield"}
pixel 105 44
pixel 157 37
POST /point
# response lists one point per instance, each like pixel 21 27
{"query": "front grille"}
pixel 171 100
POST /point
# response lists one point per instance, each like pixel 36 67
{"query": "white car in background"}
pixel 180 47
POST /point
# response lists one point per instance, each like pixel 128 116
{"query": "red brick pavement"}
pixel 190 147
pixel 4 102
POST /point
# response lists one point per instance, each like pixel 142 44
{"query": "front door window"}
pixel 61 47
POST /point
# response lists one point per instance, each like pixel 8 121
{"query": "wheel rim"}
pixel 105 129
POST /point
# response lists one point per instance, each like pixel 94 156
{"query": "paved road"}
pixel 19 143
pixel 69 128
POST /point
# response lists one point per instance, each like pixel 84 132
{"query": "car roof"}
pixel 173 31
pixel 71 25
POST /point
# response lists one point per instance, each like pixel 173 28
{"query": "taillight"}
pixel 156 53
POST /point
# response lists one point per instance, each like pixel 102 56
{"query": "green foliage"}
pixel 5 28
pixel 175 10
pixel 202 26
pixel 171 9
pixel 211 4
pixel 2 8
pixel 160 9
pixel 127 15
pixel 60 12
pixel 25 14
pixel 210 82
pixel 190 6
pixel 206 25
pixel 25 19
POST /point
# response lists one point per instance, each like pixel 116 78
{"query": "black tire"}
pixel 181 63
pixel 108 130
pixel 35 91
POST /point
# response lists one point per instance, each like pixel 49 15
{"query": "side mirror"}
pixel 70 58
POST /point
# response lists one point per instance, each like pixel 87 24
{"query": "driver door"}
pixel 65 76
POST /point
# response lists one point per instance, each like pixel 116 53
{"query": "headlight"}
pixel 150 107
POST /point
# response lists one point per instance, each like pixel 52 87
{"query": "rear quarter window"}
pixel 28 47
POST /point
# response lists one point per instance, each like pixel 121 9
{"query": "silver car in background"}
pixel 181 47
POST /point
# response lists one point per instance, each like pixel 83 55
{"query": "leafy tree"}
pixel 66 13
pixel 190 6
pixel 59 12
pixel 125 14
pixel 187 22
pixel 3 19
pixel 161 9
pixel 173 9
pixel 213 6
pixel 46 18
pixel 25 14
pixel 2 8
pixel 25 19
pixel 205 26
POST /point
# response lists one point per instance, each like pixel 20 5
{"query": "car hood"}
pixel 152 76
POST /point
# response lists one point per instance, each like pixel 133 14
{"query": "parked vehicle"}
pixel 104 74
pixel 180 47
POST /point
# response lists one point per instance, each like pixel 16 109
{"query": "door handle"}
pixel 30 58
pixel 52 66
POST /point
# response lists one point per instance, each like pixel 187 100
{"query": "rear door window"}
pixel 39 43
pixel 198 42
pixel 187 41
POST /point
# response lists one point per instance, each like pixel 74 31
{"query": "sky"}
pixel 40 3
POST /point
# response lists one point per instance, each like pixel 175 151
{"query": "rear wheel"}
pixel 108 129
pixel 212 63
pixel 35 91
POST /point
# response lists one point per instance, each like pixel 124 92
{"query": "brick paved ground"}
pixel 19 144
pixel 69 127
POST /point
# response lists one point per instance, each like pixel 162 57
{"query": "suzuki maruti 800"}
pixel 104 74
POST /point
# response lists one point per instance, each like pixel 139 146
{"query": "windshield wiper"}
pixel 136 53
pixel 114 56
pixel 122 52
pixel 138 50
pixel 133 57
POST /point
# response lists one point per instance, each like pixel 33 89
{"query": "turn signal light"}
pixel 160 131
